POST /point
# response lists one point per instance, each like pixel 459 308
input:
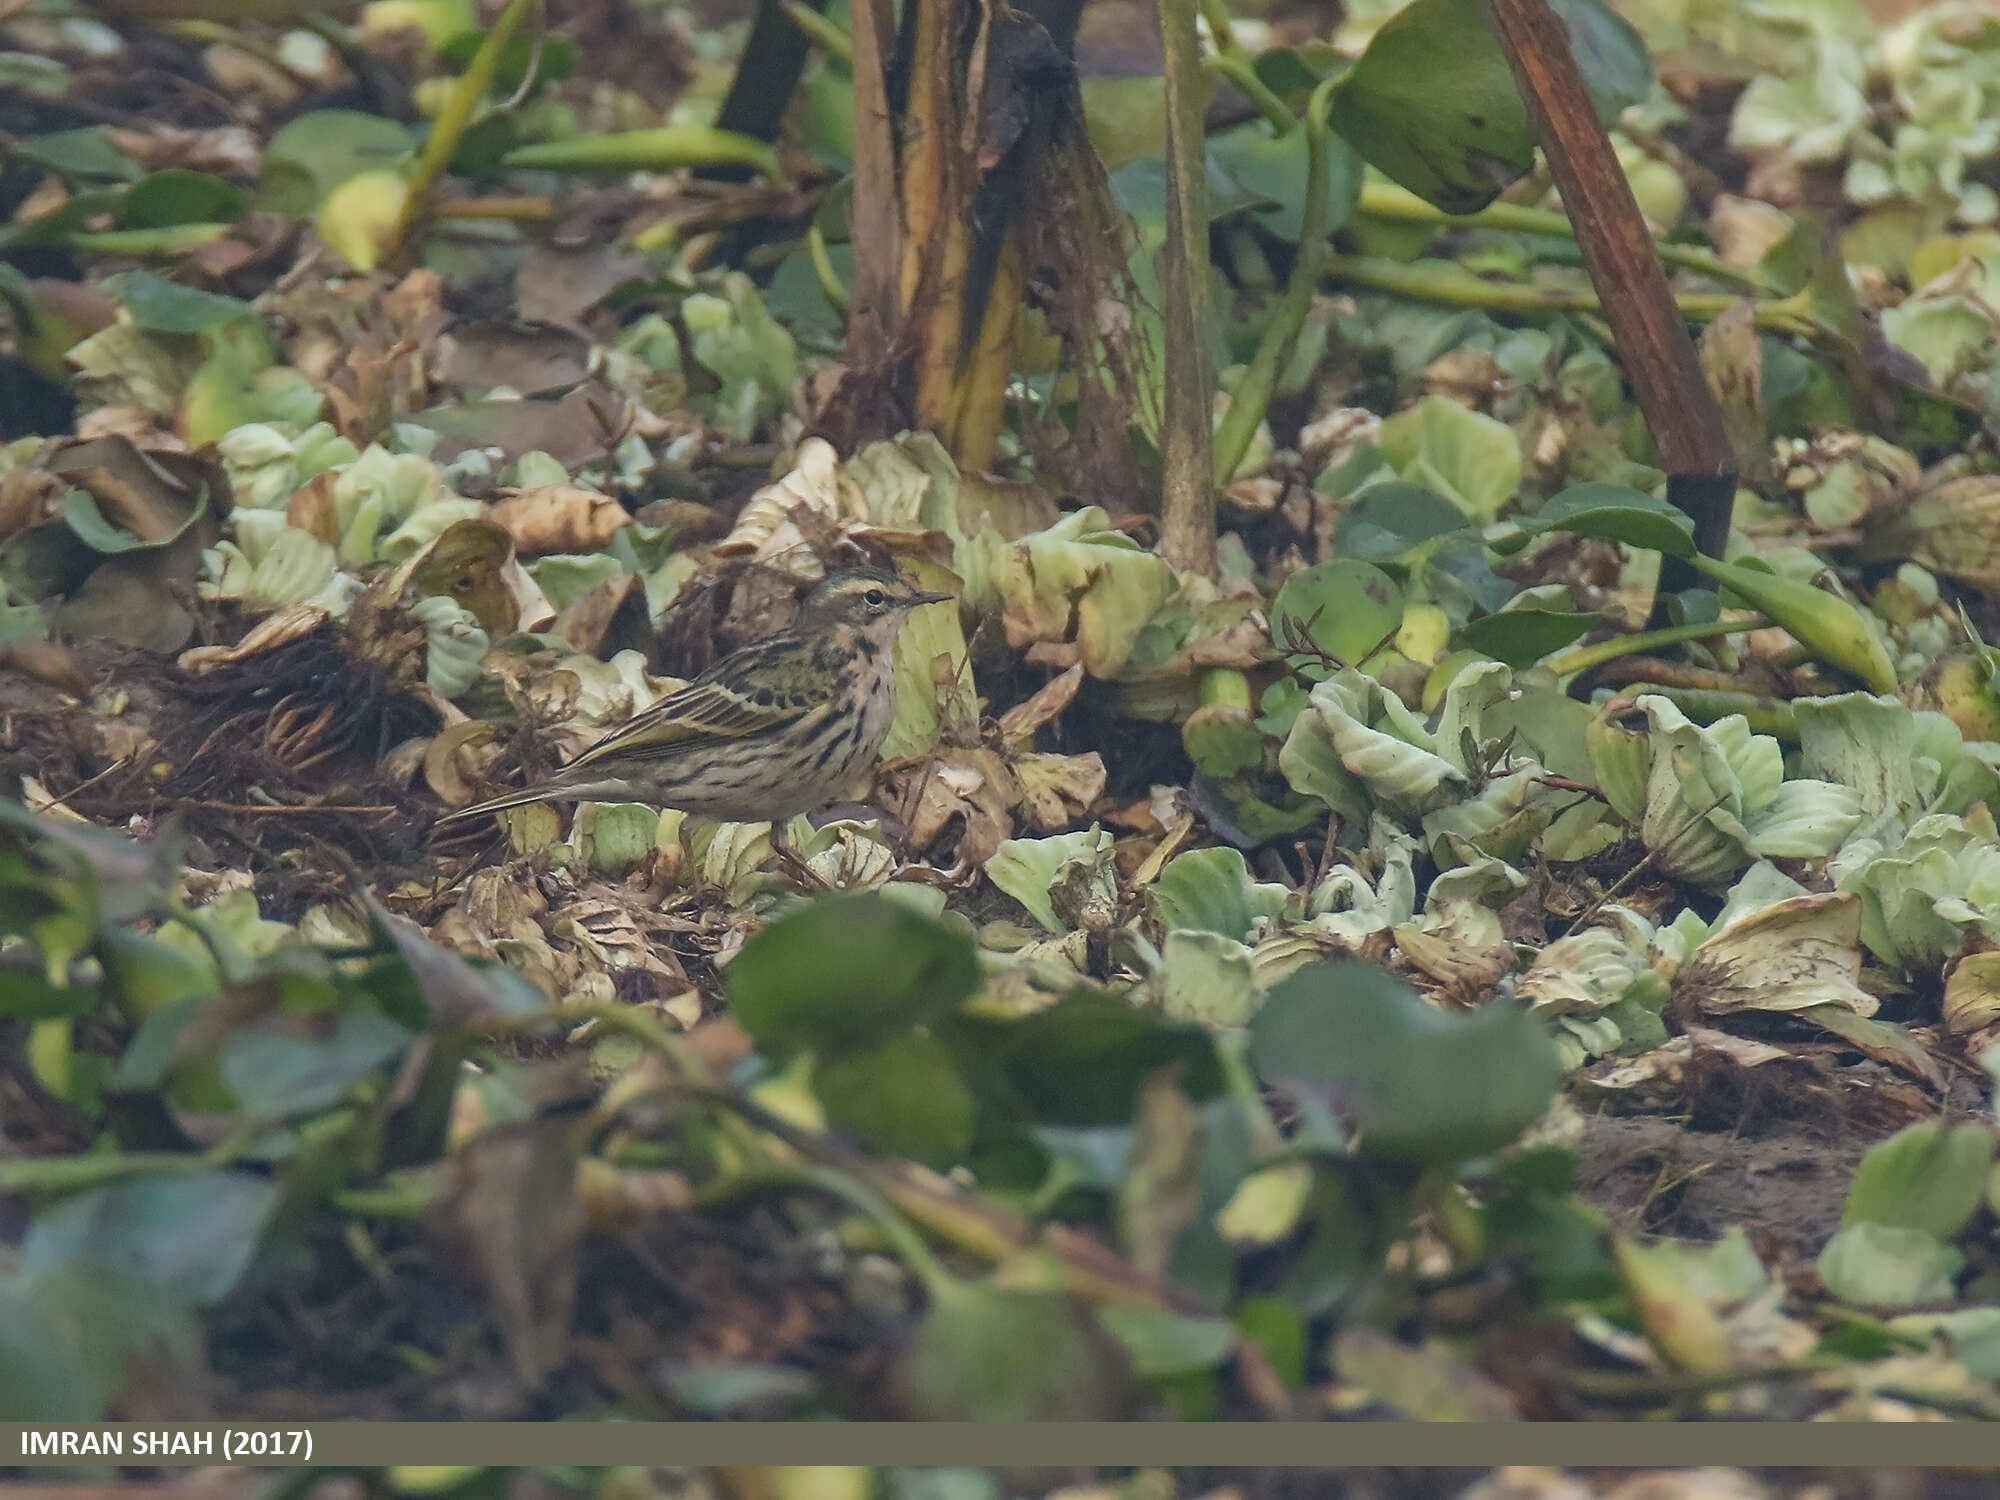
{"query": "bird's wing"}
pixel 717 708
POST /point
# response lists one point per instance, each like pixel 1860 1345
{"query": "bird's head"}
pixel 871 600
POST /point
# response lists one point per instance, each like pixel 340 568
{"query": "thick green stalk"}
pixel 826 34
pixel 1385 200
pixel 1237 69
pixel 1583 658
pixel 1455 287
pixel 1252 397
pixel 1220 31
pixel 448 130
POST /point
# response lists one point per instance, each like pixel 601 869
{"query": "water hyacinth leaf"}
pixel 1617 513
pixel 1035 871
pixel 1206 978
pixel 361 214
pixel 1929 1176
pixel 1348 609
pixel 551 58
pixel 1222 740
pixel 1079 576
pixel 164 306
pixel 1273 168
pixel 1889 1266
pixel 311 156
pixel 67 1336
pixel 1360 744
pixel 1433 103
pixel 86 155
pixel 905 1097
pixel 178 196
pixel 1163 1344
pixel 1863 742
pixel 1679 1318
pixel 92 871
pixel 1388 520
pixel 846 971
pixel 987 1354
pixel 276 1070
pixel 1286 72
pixel 1140 190
pixel 1210 890
pixel 1126 118
pixel 28 996
pixel 1425 1384
pixel 934 684
pixel 1419 1085
pixel 1266 1204
pixel 1275 1327
pixel 1522 637
pixel 189 1235
pixel 34 75
pixel 149 974
pixel 1467 457
pixel 1083 1060
pixel 1465 572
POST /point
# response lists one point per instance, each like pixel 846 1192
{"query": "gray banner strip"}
pixel 1175 1444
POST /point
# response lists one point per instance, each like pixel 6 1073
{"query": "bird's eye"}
pixel 875 598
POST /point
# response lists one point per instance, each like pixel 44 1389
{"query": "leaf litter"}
pixel 1221 975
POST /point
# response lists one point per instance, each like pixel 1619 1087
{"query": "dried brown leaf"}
pixel 559 518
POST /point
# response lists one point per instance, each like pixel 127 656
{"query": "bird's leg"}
pixel 787 856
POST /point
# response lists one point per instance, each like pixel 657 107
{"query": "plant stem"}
pixel 1220 31
pixel 895 1229
pixel 1583 658
pixel 828 35
pixel 1252 397
pixel 1386 200
pixel 522 208
pixel 1444 282
pixel 1187 500
pixel 1236 68
pixel 1650 331
pixel 687 1068
pixel 1704 705
pixel 448 130
pixel 830 284
pixel 215 33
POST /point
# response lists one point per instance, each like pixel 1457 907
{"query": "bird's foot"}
pixel 805 874
pixel 916 872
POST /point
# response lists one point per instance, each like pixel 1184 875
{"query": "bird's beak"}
pixel 924 598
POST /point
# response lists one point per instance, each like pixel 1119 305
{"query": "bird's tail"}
pixel 583 791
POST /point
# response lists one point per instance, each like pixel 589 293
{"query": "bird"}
pixel 781 727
